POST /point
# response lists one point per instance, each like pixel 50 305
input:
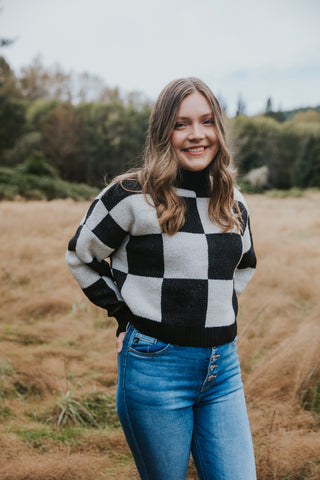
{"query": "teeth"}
pixel 200 149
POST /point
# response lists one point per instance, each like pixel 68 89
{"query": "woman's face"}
pixel 194 138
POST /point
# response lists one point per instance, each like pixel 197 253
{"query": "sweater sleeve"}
pixel 246 267
pixel 100 233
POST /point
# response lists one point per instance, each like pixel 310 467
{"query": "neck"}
pixel 197 181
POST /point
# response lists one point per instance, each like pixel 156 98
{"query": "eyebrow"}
pixel 209 114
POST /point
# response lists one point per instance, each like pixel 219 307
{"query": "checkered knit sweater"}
pixel 181 289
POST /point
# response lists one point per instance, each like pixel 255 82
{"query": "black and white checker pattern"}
pixel 191 279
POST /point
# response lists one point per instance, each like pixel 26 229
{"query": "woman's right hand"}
pixel 119 341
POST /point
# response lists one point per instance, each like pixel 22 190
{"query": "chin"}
pixel 195 167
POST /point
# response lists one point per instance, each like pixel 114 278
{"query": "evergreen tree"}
pixel 269 108
pixel 241 106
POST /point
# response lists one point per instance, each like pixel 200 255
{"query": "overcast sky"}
pixel 249 47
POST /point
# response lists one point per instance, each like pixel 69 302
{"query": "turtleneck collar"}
pixel 197 181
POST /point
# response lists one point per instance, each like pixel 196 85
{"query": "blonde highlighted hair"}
pixel 159 173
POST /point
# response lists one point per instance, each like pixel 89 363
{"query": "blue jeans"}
pixel 172 400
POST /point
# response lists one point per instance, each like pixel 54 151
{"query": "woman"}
pixel 178 237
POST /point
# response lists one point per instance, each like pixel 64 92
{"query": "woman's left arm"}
pixel 246 267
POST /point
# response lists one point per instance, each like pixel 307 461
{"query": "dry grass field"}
pixel 58 360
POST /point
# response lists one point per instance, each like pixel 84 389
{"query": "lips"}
pixel 195 150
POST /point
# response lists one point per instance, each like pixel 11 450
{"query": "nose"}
pixel 196 132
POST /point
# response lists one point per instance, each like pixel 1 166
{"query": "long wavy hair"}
pixel 160 171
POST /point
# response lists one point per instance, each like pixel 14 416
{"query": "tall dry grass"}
pixel 52 341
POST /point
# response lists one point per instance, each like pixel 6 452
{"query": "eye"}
pixel 179 125
pixel 208 121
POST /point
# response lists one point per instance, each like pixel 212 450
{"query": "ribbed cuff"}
pixel 123 317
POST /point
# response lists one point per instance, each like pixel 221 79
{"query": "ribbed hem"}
pixel 186 336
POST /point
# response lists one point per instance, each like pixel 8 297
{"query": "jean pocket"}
pixel 144 345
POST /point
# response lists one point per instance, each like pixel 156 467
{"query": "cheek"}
pixel 175 139
pixel 215 139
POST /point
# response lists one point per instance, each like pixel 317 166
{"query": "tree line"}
pixel 75 128
pixel 289 151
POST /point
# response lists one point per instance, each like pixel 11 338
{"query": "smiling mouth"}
pixel 195 149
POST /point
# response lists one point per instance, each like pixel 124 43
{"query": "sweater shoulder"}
pixel 115 193
pixel 239 198
pixel 243 208
pixel 241 201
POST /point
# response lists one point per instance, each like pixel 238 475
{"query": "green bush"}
pixel 23 147
pixel 246 187
pixel 36 164
pixel 15 182
pixel 306 171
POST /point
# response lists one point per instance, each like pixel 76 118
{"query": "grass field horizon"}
pixel 58 361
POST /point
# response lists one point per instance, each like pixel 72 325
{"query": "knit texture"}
pixel 181 289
